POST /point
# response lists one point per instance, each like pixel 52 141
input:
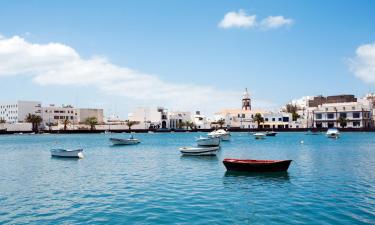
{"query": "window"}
pixel 343 115
pixel 356 115
pixel 279 119
pixel 273 119
pixel 266 119
pixel 56 117
pixel 243 115
pixel 285 119
pixel 318 116
pixel 330 115
pixel 356 124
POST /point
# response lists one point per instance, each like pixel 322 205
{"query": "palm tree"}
pixel 35 120
pixel 221 122
pixel 342 121
pixel 91 121
pixel 290 108
pixel 191 125
pixel 180 124
pixel 130 123
pixel 66 122
pixel 258 118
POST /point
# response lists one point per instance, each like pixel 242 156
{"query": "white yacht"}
pixel 221 133
pixel 333 133
pixel 259 135
pixel 208 141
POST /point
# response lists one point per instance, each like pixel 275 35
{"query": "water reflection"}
pixel 276 176
pixel 199 157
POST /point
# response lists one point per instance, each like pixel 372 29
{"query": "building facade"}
pixel 17 111
pixel 348 114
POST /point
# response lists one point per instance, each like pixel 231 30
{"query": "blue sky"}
pixel 180 42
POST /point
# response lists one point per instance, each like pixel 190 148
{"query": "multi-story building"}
pixel 201 121
pixel 176 118
pixel 54 115
pixel 17 111
pixel 150 117
pixel 352 114
pixel 84 113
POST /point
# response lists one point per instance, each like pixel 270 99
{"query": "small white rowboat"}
pixel 199 151
pixel 77 153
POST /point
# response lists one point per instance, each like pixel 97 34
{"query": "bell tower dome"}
pixel 246 101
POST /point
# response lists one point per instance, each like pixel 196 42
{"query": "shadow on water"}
pixel 274 176
pixel 65 158
pixel 199 157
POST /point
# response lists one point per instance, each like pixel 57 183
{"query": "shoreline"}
pixel 185 131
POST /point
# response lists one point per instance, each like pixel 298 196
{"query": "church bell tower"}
pixel 246 101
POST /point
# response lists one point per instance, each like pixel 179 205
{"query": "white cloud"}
pixel 59 64
pixel 242 20
pixel 275 22
pixel 363 65
pixel 238 20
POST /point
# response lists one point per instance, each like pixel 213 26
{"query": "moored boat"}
pixel 221 133
pixel 208 141
pixel 259 135
pixel 76 153
pixel 199 151
pixel 333 133
pixel 271 133
pixel 249 165
pixel 123 141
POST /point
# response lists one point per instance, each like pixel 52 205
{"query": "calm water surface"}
pixel 329 181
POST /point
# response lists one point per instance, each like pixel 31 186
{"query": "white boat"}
pixel 259 135
pixel 221 133
pixel 208 141
pixel 76 153
pixel 123 141
pixel 199 151
pixel 333 133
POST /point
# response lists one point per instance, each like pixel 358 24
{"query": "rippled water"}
pixel 329 181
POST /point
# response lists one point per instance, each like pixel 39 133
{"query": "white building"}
pixel 17 111
pixel 244 117
pixel 356 115
pixel 177 117
pixel 201 121
pixel 53 115
pixel 150 117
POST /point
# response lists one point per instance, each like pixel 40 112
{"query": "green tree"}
pixel 91 121
pixel 35 121
pixel 180 124
pixel 221 122
pixel 66 122
pixel 2 120
pixel 131 123
pixel 290 108
pixel 342 121
pixel 191 125
pixel 258 119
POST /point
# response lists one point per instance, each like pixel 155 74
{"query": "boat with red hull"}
pixel 248 165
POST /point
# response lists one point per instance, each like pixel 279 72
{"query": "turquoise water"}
pixel 329 182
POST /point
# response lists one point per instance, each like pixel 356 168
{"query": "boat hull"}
pixel 259 136
pixel 211 151
pixel 222 134
pixel 119 141
pixel 257 165
pixel 67 153
pixel 209 142
pixel 271 134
